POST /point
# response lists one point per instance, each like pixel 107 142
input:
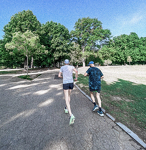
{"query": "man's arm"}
pixel 76 72
pixel 102 77
pixel 85 74
pixel 59 75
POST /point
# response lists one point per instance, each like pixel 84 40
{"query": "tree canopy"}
pixel 124 46
pixel 56 38
pixel 89 34
pixel 27 43
pixel 21 22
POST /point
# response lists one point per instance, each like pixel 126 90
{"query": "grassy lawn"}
pixel 124 100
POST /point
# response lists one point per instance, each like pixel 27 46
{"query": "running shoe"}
pixel 100 113
pixel 95 108
pixel 72 119
pixel 66 110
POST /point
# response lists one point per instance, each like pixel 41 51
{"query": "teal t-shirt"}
pixel 95 75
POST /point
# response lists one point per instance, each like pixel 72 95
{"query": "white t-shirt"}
pixel 67 71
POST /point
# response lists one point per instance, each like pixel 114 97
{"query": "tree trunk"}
pixel 31 62
pixel 83 58
pixel 59 64
pixel 77 66
pixel 54 63
pixel 27 64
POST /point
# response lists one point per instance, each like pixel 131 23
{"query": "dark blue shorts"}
pixel 68 86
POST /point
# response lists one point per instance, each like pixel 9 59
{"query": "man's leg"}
pixel 98 99
pixel 67 100
pixel 69 92
pixel 93 99
pixel 99 103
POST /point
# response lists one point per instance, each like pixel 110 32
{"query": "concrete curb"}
pixel 111 117
pixel 127 130
pixel 133 135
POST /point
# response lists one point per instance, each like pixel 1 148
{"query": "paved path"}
pixel 32 118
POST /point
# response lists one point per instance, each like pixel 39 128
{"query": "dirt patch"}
pixel 117 98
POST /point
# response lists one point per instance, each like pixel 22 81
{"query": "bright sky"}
pixel 120 16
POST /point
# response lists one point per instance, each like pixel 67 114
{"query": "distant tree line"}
pixel 28 42
pixel 125 49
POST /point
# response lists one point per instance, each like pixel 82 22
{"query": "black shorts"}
pixel 93 90
pixel 68 86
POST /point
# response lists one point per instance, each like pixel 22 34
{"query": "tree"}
pixel 89 35
pixel 27 42
pixel 7 60
pixel 21 22
pixel 107 53
pixel 76 54
pixel 121 47
pixel 56 38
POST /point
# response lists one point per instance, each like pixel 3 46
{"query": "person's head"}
pixel 66 62
pixel 91 64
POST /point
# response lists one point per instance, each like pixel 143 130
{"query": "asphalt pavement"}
pixel 32 118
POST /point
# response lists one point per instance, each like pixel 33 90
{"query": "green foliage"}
pixel 27 43
pixel 56 38
pixel 89 34
pixel 123 46
pixel 21 22
pixel 8 72
pixel 25 77
pixel 75 54
pixel 106 53
pixel 95 58
pixel 28 77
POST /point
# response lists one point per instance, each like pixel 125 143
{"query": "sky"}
pixel 119 16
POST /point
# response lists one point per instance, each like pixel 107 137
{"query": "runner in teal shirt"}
pixel 95 76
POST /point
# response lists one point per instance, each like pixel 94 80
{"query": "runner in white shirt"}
pixel 68 85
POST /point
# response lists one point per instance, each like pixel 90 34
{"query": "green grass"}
pixel 25 77
pixel 131 109
pixel 28 77
pixel 7 72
